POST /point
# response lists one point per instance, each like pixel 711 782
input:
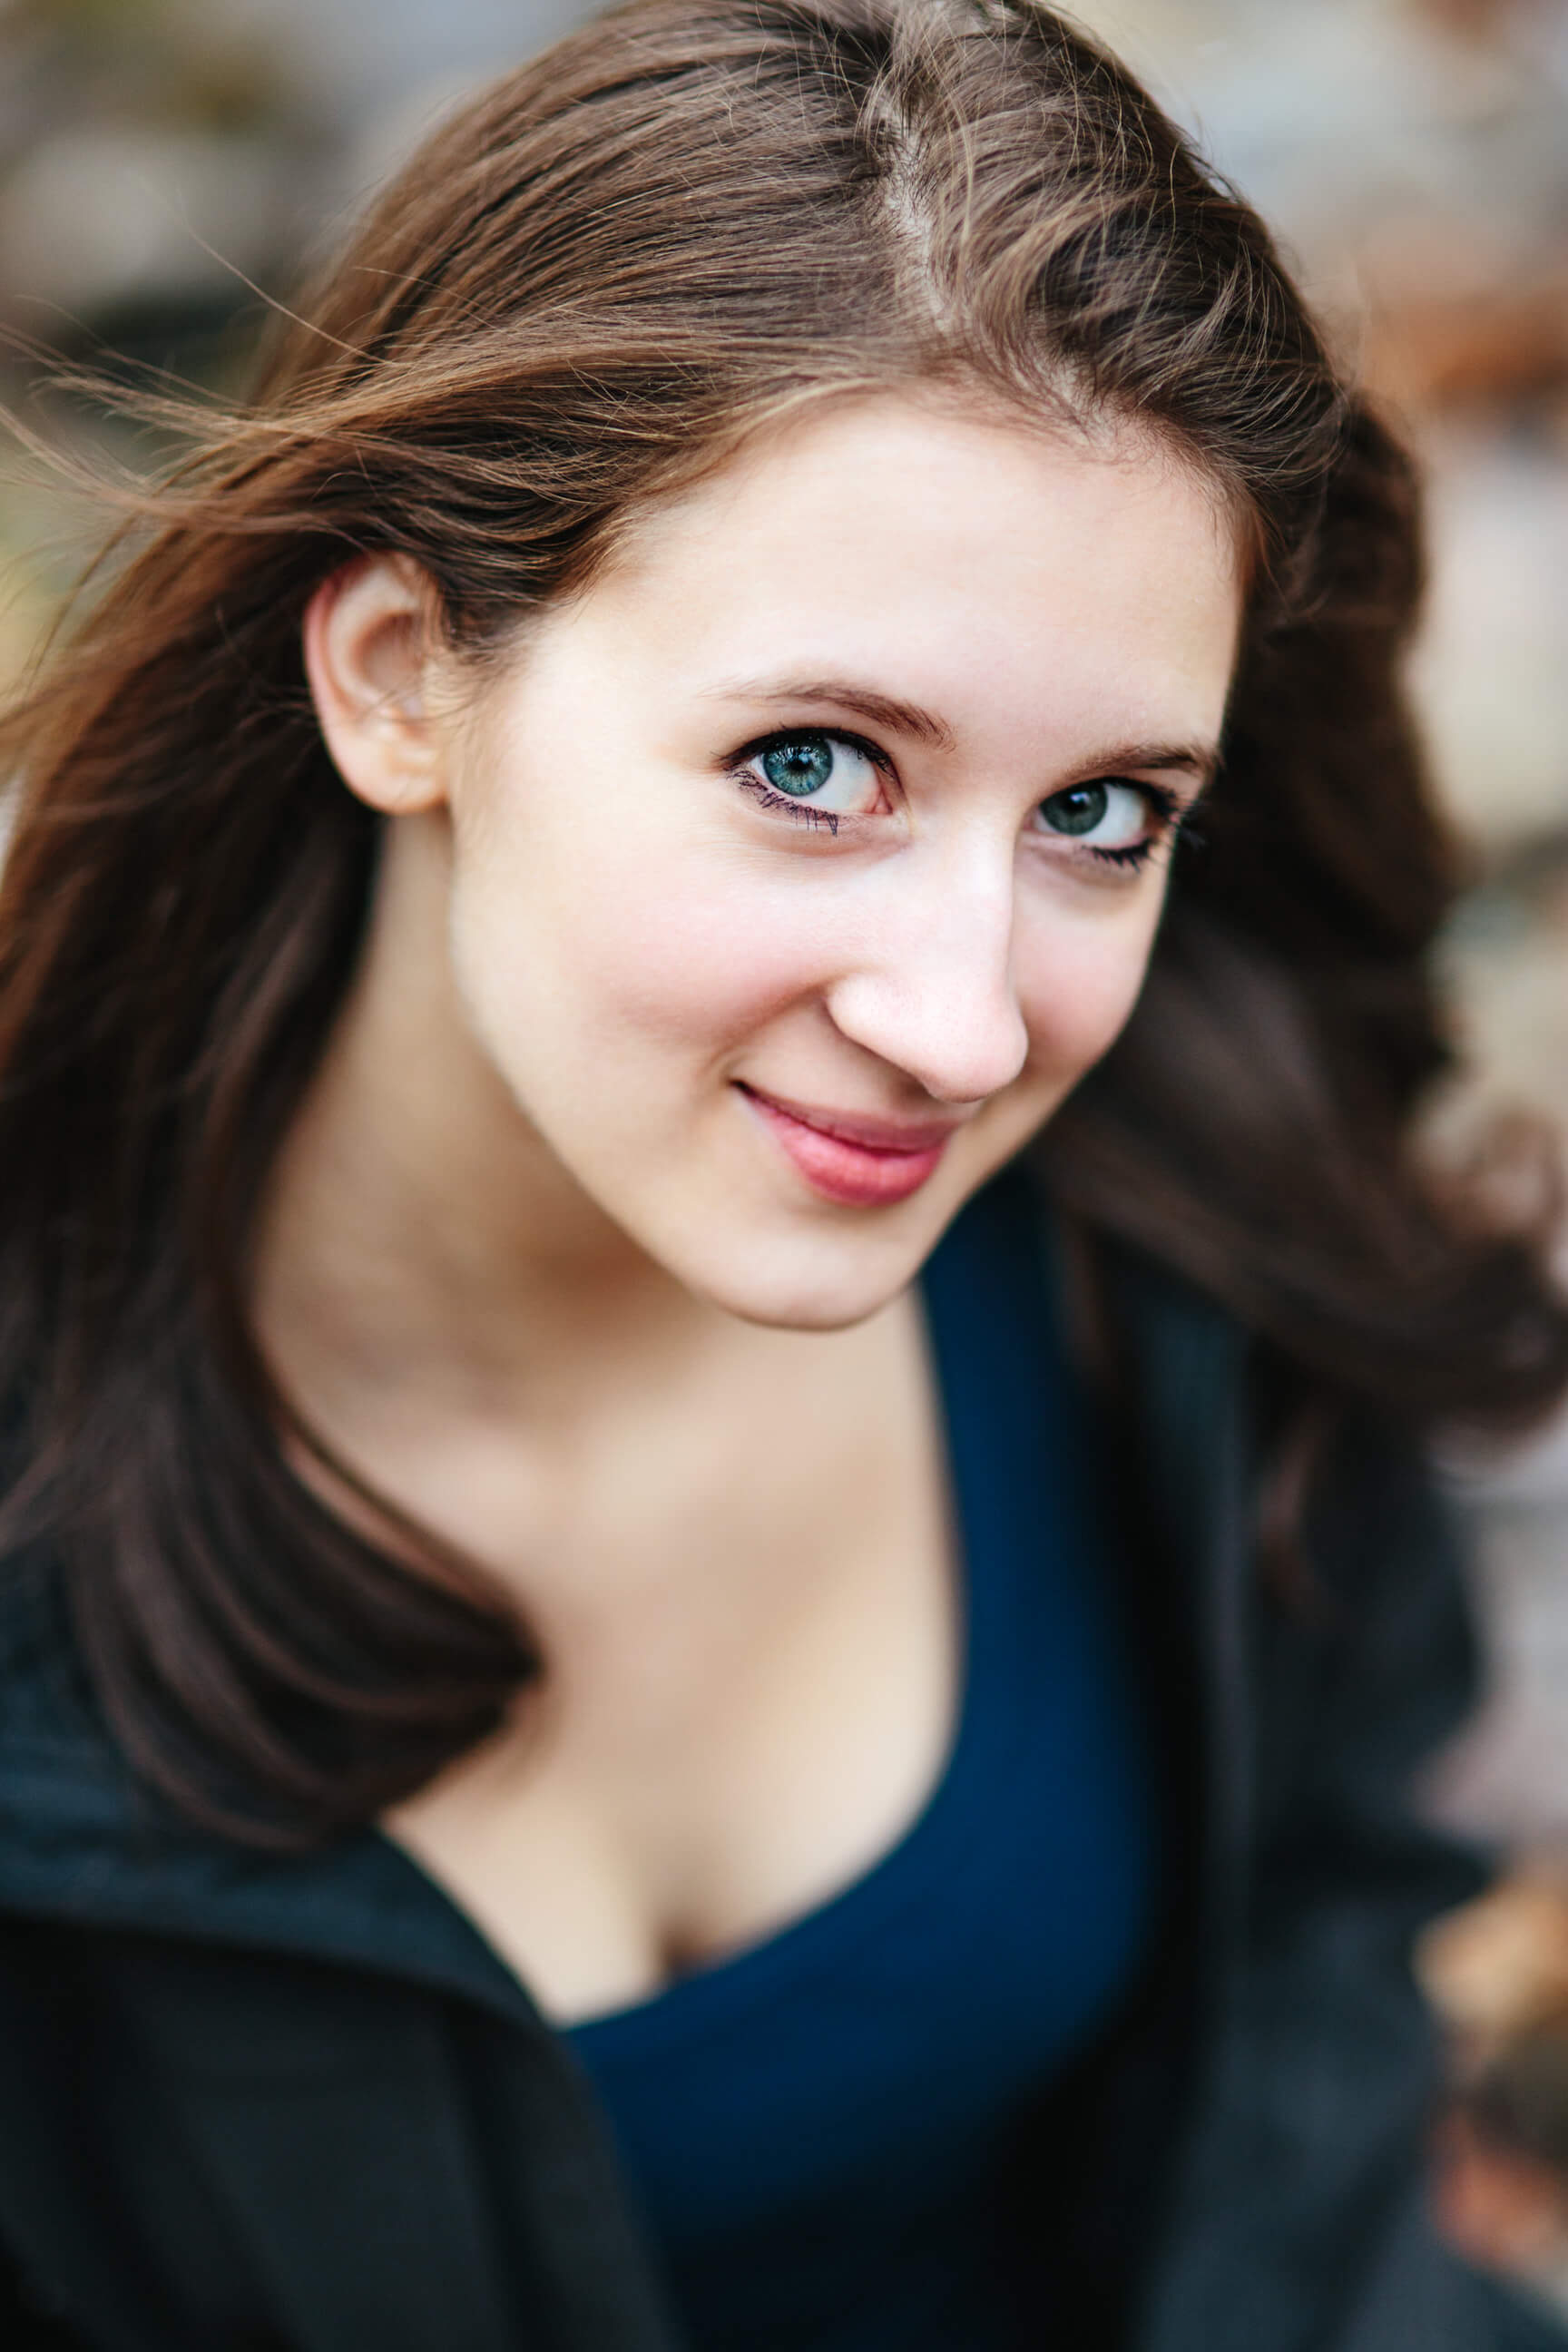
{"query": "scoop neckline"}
pixel 862 1905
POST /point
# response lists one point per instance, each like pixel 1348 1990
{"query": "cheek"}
pixel 592 942
pixel 703 976
pixel 1077 985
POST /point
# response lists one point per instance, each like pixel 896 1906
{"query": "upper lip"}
pixel 855 1127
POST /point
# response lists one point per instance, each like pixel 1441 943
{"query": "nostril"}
pixel 958 1043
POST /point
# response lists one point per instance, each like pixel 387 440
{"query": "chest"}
pixel 751 1620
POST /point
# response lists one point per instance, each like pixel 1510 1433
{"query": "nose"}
pixel 929 988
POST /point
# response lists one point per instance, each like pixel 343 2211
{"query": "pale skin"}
pixel 536 1260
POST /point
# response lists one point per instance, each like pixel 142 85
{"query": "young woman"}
pixel 720 1596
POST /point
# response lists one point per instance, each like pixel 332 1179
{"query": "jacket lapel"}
pixel 406 2152
pixel 1185 1363
pixel 321 2110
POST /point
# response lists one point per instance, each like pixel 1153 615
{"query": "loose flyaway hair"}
pixel 678 226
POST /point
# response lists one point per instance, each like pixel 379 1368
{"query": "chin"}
pixel 810 1290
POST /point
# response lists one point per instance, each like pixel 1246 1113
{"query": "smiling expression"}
pixel 803 864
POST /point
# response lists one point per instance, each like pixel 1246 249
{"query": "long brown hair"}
pixel 680 223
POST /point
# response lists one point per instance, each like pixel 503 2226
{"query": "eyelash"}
pixel 1165 810
pixel 817 820
pixel 1164 805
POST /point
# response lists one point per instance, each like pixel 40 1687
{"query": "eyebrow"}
pixel 1200 761
pixel 881 710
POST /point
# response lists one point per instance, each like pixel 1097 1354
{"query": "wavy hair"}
pixel 593 283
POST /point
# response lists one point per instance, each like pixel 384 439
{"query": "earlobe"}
pixel 368 656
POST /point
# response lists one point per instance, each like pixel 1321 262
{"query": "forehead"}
pixel 954 556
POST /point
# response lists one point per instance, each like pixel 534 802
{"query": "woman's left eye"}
pixel 1120 822
pixel 828 775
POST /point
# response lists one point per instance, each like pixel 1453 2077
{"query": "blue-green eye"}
pixel 1115 820
pixel 800 768
pixel 1077 810
pixel 823 776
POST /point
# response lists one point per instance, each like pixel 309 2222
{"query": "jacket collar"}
pixel 82 1841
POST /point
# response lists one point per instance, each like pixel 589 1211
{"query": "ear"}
pixel 369 656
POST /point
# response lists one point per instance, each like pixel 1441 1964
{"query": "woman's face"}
pixel 802 865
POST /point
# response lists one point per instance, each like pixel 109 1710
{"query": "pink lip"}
pixel 864 1163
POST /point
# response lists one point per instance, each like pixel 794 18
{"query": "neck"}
pixel 417 1228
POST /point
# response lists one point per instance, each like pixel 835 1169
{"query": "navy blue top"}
pixel 818 2125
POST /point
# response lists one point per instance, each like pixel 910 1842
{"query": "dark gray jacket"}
pixel 261 2106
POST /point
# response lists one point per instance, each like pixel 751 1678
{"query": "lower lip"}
pixel 854 1174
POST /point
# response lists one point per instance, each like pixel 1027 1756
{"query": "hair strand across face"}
pixel 596 280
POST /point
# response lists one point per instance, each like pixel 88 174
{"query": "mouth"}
pixel 861 1163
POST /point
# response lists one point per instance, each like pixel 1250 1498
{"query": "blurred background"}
pixel 165 164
